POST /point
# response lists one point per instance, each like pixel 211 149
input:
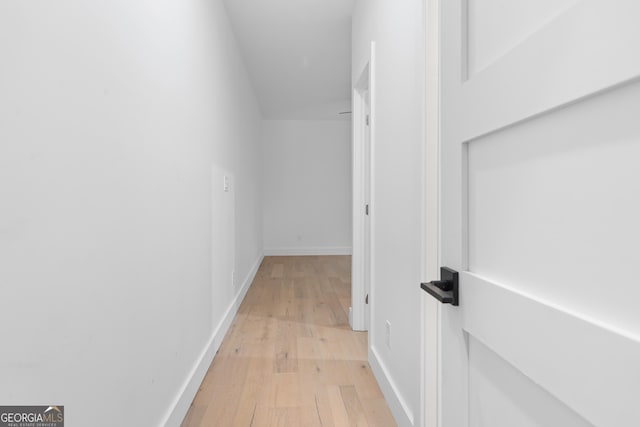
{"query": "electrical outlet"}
pixel 388 325
pixel 225 184
pixel 233 278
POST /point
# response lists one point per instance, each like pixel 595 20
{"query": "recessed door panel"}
pixel 553 206
pixel 500 393
pixel 490 36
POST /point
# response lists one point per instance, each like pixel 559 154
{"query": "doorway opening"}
pixel 362 289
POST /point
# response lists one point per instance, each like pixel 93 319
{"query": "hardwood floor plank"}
pixel 255 390
pixel 377 412
pixel 285 390
pixel 277 271
pixel 290 358
pixel 286 348
pixel 353 406
pixel 338 410
pixel 362 378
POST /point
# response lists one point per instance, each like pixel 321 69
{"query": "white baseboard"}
pixel 303 251
pixel 399 408
pixel 178 410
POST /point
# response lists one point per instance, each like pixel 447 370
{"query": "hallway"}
pixel 153 154
pixel 290 357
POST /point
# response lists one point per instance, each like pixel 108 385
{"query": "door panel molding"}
pixel 494 382
pixel 489 38
pixel 542 87
pixel 557 358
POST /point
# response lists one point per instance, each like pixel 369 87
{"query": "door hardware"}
pixel 444 290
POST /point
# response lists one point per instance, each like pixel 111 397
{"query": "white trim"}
pixel 178 409
pixel 357 261
pixel 430 324
pixel 372 187
pixel 430 362
pixel 400 410
pixel 304 251
pixel 360 321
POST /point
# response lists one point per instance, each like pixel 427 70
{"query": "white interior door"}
pixel 540 193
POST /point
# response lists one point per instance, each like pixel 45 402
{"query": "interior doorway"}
pixel 362 289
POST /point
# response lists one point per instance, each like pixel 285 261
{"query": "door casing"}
pixel 363 192
pixel 430 309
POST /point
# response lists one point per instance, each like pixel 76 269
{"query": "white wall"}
pixel 398 116
pixel 307 187
pixel 115 116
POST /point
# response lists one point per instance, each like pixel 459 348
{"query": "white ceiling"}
pixel 298 53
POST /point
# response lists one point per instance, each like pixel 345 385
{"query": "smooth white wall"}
pixel 307 187
pixel 397 29
pixel 115 117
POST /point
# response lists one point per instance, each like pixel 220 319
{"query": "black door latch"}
pixel 444 290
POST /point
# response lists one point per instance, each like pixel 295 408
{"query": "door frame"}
pixel 360 313
pixel 430 269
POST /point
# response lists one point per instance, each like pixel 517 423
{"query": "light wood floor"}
pixel 290 357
